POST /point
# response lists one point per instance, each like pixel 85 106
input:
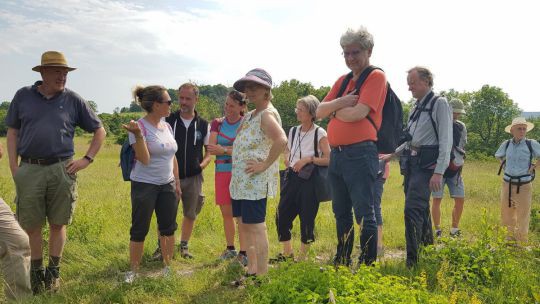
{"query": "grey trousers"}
pixel 14 255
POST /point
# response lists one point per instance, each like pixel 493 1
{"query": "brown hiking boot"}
pixel 52 278
pixel 37 277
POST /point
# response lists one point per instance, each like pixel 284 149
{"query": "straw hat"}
pixel 52 59
pixel 519 121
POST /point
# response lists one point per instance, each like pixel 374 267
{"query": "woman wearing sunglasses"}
pixel 155 184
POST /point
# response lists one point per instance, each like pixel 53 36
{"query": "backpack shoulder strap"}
pixel 316 142
pixel 293 133
pixel 430 113
pixel 529 145
pixel 507 143
pixel 344 84
pixel 142 127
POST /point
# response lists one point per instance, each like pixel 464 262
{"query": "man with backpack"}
pixel 516 156
pixel 355 117
pixel 424 157
pixel 452 175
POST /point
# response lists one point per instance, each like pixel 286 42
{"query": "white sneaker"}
pixel 166 272
pixel 130 277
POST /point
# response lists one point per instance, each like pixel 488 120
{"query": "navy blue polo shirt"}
pixel 47 126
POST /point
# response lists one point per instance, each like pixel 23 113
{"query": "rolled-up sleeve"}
pixel 444 128
pixel 501 152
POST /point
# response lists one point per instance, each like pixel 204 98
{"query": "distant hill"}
pixel 530 114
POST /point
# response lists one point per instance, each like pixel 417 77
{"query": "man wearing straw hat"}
pixel 41 124
pixel 516 156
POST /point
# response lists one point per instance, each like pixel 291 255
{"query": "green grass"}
pixel 96 253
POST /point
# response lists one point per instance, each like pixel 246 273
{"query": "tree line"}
pixel 489 110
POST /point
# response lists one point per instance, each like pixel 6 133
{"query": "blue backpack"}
pixel 127 156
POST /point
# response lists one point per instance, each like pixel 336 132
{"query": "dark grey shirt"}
pixel 47 126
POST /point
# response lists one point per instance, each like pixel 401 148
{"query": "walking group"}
pixel 172 150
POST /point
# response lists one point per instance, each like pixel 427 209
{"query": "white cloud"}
pixel 116 44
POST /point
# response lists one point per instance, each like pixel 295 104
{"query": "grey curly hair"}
pixel 360 37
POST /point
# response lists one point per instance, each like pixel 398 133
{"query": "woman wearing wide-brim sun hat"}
pixel 518 158
pixel 259 142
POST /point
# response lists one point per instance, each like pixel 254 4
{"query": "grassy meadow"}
pixel 478 268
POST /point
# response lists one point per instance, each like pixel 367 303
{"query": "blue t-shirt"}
pixel 226 133
pixel 517 158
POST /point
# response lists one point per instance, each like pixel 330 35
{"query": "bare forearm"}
pixel 325 109
pixel 97 142
pixel 352 114
pixel 13 157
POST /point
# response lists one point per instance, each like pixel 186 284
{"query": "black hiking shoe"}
pixel 52 278
pixel 37 278
pixel 184 252
pixel 280 258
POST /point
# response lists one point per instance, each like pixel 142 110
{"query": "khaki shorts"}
pixel 192 196
pixel 45 192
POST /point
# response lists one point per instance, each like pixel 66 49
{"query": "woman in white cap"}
pixel 258 144
pixel 516 156
pixel 297 197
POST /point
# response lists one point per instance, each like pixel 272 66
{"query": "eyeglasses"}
pixel 296 110
pixel 169 102
pixel 351 54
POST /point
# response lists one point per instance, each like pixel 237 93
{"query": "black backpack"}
pixel 457 129
pixel 391 130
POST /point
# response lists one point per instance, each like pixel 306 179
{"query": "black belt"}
pixel 365 143
pixel 519 183
pixel 44 161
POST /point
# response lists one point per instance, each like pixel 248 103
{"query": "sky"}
pixel 116 45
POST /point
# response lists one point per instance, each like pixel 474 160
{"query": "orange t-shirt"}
pixel 372 94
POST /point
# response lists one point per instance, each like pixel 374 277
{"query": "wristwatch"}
pixel 89 159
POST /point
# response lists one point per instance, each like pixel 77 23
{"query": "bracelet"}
pixel 224 151
pixel 89 159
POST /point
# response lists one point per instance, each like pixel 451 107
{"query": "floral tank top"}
pixel 252 144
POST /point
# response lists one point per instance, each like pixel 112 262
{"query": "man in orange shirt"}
pixel 353 161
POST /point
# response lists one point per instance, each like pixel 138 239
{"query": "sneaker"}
pixel 228 254
pixel 242 259
pixel 455 233
pixel 130 277
pixel 156 256
pixel 37 278
pixel 166 272
pixel 52 278
pixel 184 253
pixel 438 233
pixel 281 258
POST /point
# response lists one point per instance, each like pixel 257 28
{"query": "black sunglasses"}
pixel 169 102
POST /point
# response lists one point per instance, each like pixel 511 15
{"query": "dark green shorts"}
pixel 45 192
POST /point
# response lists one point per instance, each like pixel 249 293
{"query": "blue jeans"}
pixel 378 192
pixel 351 173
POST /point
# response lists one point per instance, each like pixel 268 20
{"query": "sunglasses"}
pixel 169 102
pixel 237 96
